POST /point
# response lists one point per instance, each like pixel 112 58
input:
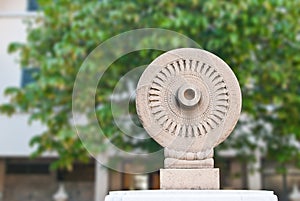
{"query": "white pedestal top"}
pixel 191 195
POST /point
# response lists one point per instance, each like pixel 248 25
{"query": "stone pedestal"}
pixel 192 195
pixel 190 179
pixel 189 101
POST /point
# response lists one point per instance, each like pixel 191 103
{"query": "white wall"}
pixel 13 5
pixel 15 132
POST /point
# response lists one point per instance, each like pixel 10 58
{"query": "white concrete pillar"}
pixel 254 173
pixel 101 181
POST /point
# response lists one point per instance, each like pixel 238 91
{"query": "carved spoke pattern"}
pixel 178 122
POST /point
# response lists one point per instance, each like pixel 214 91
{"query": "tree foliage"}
pixel 260 40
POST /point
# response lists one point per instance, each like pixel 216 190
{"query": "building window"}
pixel 138 181
pixel 32 5
pixel 28 75
pixel 27 168
pixel 80 173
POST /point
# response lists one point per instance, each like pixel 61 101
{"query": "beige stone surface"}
pixel 190 179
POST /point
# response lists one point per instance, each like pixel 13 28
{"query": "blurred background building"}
pixel 23 178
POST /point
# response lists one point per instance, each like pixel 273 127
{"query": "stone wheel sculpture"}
pixel 189 101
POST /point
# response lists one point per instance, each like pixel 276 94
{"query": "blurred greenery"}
pixel 260 40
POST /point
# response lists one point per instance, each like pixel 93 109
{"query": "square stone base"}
pixel 201 179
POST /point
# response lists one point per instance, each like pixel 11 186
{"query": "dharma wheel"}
pixel 189 101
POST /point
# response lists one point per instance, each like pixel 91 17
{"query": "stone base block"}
pixel 173 163
pixel 190 179
pixel 191 195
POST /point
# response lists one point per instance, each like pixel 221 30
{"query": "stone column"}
pixel 101 181
pixel 254 177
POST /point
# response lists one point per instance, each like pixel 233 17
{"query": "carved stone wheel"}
pixel 189 101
